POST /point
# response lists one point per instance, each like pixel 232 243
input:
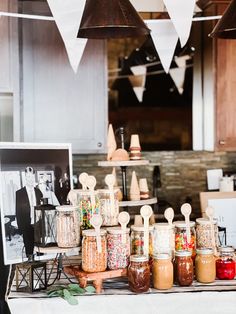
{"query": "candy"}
pixel 118 252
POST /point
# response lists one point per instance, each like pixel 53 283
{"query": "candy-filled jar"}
pixel 204 235
pixel 109 206
pixel 68 232
pixel 181 243
pixel 225 264
pixel 88 205
pixel 94 260
pixel 137 240
pixel 163 239
pixel 205 265
pixel 118 248
pixel 183 268
pixel 162 271
pixel 139 273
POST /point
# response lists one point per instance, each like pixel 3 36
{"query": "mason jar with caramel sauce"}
pixel 162 271
pixel 183 267
pixel 205 266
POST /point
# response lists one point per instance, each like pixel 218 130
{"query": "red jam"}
pixel 225 268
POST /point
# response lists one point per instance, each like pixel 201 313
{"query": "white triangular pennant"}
pixel 181 61
pixel 139 92
pixel 165 38
pixel 181 14
pixel 140 70
pixel 68 16
pixel 178 76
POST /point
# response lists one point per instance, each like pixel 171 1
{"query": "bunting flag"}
pixel 178 76
pixel 165 39
pixel 139 90
pixel 140 70
pixel 67 15
pixel 181 61
pixel 181 14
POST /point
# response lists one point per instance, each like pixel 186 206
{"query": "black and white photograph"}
pixel 30 174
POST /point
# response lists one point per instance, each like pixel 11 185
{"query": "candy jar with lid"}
pixel 225 264
pixel 139 273
pixel 181 242
pixel 183 268
pixel 88 204
pixel 205 238
pixel 137 240
pixel 162 271
pixel 163 239
pixel 109 206
pixel 205 266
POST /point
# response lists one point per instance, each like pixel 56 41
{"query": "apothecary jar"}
pixel 137 240
pixel 181 240
pixel 163 239
pixel 88 204
pixel 206 237
pixel 109 206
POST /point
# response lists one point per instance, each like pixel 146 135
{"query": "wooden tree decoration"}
pixel 111 142
pixel 134 188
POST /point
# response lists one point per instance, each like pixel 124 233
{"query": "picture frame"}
pixel 224 205
pixel 50 166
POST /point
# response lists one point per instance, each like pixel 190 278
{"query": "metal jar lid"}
pixel 162 225
pixel 163 256
pixel 183 253
pixel 116 230
pixel 205 221
pixel 207 251
pixel 139 258
pixel 93 233
pixel 226 249
pixel 182 224
pixel 140 228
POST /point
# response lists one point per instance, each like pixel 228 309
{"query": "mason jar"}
pixel 183 266
pixel 109 206
pixel 139 273
pixel 204 236
pixel 205 266
pixel 118 248
pixel 93 259
pixel 162 271
pixel 225 264
pixel 163 239
pixel 137 240
pixel 87 208
pixel 181 243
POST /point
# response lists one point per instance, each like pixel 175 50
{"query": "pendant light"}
pixel 111 19
pixel 226 26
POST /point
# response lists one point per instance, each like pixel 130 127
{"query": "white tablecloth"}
pixel 178 303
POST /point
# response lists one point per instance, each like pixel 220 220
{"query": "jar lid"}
pixel 163 225
pixel 116 230
pixel 205 221
pixel 183 253
pixel 182 224
pixel 162 256
pixel 107 191
pixel 138 258
pixel 141 228
pixel 92 232
pixel 226 249
pixel 66 208
pixel 207 251
pixel 86 192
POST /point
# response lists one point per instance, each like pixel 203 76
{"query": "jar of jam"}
pixel 68 232
pixel 225 264
pixel 183 266
pixel 163 239
pixel 139 273
pixel 109 206
pixel 205 266
pixel 118 248
pixel 87 207
pixel 137 240
pixel 93 259
pixel 181 243
pixel 204 234
pixel 162 271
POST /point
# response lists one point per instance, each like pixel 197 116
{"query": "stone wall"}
pixel 182 173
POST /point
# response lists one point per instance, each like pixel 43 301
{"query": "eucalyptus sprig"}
pixel 68 292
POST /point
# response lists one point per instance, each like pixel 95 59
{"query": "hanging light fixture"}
pixel 226 26
pixel 111 19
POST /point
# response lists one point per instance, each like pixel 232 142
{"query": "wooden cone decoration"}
pixel 134 188
pixel 135 149
pixel 111 142
pixel 144 191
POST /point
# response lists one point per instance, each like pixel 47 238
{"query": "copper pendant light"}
pixel 111 19
pixel 226 26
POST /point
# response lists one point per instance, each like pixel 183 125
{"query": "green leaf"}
pixel 90 289
pixel 66 294
pixel 53 294
pixel 75 288
pixel 72 300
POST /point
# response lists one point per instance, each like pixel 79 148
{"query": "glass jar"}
pixel 68 234
pixel 183 266
pixel 93 260
pixel 87 208
pixel 137 240
pixel 109 210
pixel 205 266
pixel 139 273
pixel 118 248
pixel 162 271
pixel 204 234
pixel 225 264
pixel 181 243
pixel 163 239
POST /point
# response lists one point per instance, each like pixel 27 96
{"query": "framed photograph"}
pixel 224 205
pixel 28 173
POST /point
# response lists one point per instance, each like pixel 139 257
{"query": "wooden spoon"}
pixel 110 181
pixel 186 210
pixel 210 215
pixel 169 215
pixel 146 212
pixel 123 220
pixel 91 183
pixel 96 222
pixel 83 180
